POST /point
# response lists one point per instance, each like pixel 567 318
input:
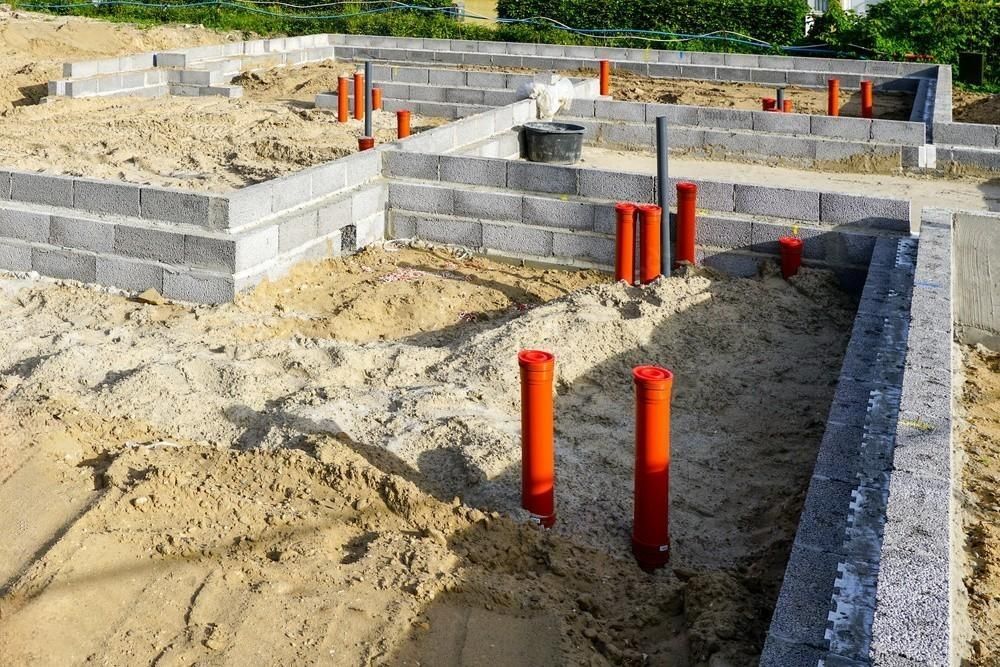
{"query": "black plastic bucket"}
pixel 554 143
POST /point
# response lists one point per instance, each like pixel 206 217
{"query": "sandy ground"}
pixel 199 143
pixel 978 443
pixel 958 192
pixel 310 476
pixel 635 88
pixel 970 107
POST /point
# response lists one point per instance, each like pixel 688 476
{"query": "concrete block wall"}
pixel 977 277
pixel 507 50
pixel 826 608
pixel 564 215
pixel 912 617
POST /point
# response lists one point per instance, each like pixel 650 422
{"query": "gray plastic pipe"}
pixel 781 98
pixel 368 99
pixel 663 196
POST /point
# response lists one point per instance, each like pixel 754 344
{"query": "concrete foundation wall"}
pixel 977 277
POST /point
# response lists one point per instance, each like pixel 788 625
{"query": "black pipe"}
pixel 663 195
pixel 368 99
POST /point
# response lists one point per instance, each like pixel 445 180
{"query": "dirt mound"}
pixel 291 477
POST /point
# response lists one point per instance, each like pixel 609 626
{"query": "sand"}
pixel 972 107
pixel 310 476
pixel 978 444
pixel 206 143
pixel 634 88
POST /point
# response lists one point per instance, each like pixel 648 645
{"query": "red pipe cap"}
pixel 790 242
pixel 687 186
pixel 652 377
pixel 625 207
pixel 536 360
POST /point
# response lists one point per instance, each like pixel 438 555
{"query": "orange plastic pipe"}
pixel 605 78
pixel 650 216
pixel 366 143
pixel 790 248
pixel 768 104
pixel 359 95
pixel 651 511
pixel 376 99
pixel 787 106
pixel 343 103
pixel 867 103
pixel 833 97
pixel 625 242
pixel 402 123
pixel 687 202
pixel 538 460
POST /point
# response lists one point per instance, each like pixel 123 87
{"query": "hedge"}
pixel 779 22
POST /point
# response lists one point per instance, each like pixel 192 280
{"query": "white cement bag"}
pixel 549 97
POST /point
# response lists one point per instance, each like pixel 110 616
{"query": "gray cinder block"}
pixel 518 239
pixel 712 195
pixel 249 204
pixel 176 206
pixel 421 198
pixel 297 231
pixel 488 205
pixel 64 264
pixel 198 287
pixel 858 129
pixel 547 212
pixel 412 165
pixel 42 189
pixel 128 274
pixel 966 134
pixel 148 243
pixel 627 111
pixel 444 77
pixel 474 171
pixel 82 234
pixel 629 135
pixel 727 118
pixel 722 232
pixel 541 178
pixel 213 253
pixel 24 225
pixel 15 257
pixel 616 186
pixel 875 212
pixel 777 202
pixel 587 247
pixel 291 191
pixel 898 132
pixel 369 201
pixel 106 197
pixel 784 123
pixel 450 230
pixel 768 76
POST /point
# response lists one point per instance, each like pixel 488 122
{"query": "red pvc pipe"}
pixel 833 97
pixel 605 78
pixel 867 103
pixel 402 123
pixel 791 255
pixel 650 216
pixel 787 106
pixel 359 95
pixel 376 99
pixel 538 461
pixel 625 242
pixel 366 143
pixel 768 104
pixel 343 103
pixel 651 511
pixel 687 202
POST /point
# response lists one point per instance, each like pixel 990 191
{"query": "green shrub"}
pixel 779 22
pixel 941 29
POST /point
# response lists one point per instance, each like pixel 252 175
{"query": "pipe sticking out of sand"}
pixel 650 219
pixel 368 98
pixel 625 242
pixel 687 204
pixel 651 520
pixel 605 68
pixel 538 463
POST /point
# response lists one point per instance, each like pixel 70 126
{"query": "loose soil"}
pixel 634 88
pixel 327 470
pixel 206 143
pixel 970 107
pixel 979 445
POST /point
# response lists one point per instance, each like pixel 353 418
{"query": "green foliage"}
pixel 941 29
pixel 776 21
